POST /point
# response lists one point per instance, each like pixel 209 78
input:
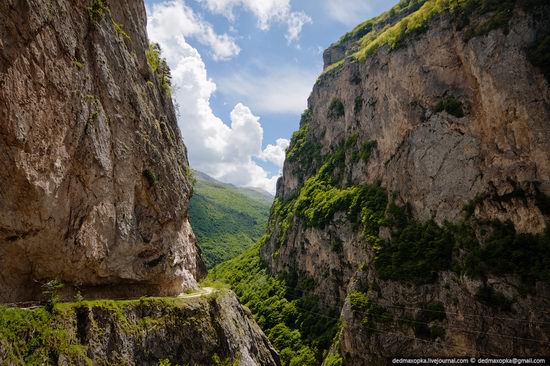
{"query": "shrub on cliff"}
pixel 335 109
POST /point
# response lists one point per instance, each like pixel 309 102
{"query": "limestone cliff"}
pixel 208 330
pixel 94 187
pixel 414 197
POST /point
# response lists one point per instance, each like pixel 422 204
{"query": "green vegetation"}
pixel 417 252
pixel 302 148
pixel 120 30
pixel 217 361
pixel 358 105
pixel 411 17
pixel 334 360
pixel 540 56
pixel 505 251
pixel 370 312
pixel 37 336
pixel 335 109
pixel 294 324
pixel 488 296
pixel 320 198
pixel 51 292
pixel 78 63
pixel 97 10
pixel 227 220
pixel 160 68
pixel 403 7
pixel 151 177
pixel 450 105
pixel 366 150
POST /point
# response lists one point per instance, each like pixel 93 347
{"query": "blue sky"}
pixel 249 65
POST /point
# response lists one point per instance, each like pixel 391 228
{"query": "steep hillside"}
pixel 415 196
pixel 226 219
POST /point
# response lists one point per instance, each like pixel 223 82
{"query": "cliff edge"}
pixel 94 174
pixel 415 196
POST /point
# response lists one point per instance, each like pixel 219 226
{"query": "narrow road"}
pixel 203 291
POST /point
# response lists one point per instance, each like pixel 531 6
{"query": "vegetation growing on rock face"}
pixel 294 323
pixel 335 109
pixel 417 251
pixel 412 17
pixel 539 55
pixel 450 105
pixel 302 148
pixel 488 296
pixel 159 66
pixel 151 177
pixel 97 9
pixel 320 197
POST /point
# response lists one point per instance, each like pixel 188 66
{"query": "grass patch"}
pixel 411 17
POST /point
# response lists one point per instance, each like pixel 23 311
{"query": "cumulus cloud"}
pixel 275 154
pixel 281 89
pixel 265 11
pixel 349 12
pixel 176 18
pixel 226 152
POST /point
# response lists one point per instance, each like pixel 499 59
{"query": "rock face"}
pixel 94 188
pixel 196 331
pixel 455 115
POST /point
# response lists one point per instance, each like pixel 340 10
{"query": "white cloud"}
pixel 276 153
pixel 175 18
pixel 266 11
pixel 225 152
pixel 281 89
pixel 349 12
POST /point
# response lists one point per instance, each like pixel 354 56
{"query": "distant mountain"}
pixel 254 193
pixel 226 219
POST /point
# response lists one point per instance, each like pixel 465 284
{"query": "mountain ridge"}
pixel 226 219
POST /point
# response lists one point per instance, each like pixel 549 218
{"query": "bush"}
pixel 488 296
pixel 366 150
pixel 159 66
pixel 97 10
pixel 358 104
pixel 417 253
pixel 151 177
pixel 450 105
pixel 335 109
pixel 334 360
pixel 540 56
pixel 51 293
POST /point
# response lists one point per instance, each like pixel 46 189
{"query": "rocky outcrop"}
pixel 94 172
pixel 451 122
pixel 208 330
